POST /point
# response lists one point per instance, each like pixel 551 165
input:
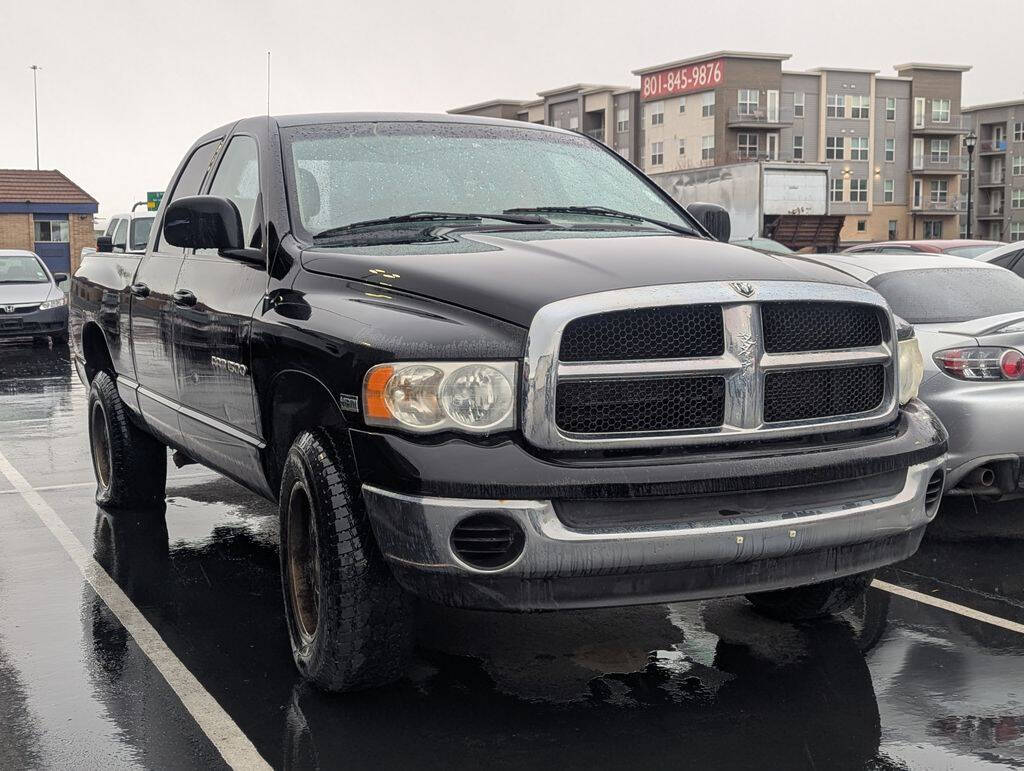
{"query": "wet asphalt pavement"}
pixel 894 684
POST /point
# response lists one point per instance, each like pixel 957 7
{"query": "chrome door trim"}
pixel 199 417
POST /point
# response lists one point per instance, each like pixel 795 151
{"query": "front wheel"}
pixel 350 623
pixel 806 603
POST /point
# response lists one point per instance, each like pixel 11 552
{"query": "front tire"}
pixel 807 603
pixel 130 465
pixel 350 623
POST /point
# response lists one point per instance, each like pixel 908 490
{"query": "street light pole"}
pixel 35 101
pixel 969 142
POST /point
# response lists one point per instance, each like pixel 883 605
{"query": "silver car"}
pixel 969 318
pixel 31 303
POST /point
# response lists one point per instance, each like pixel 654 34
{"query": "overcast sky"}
pixel 126 87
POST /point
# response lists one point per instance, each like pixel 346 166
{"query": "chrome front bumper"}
pixel 561 567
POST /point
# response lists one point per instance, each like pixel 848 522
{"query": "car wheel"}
pixel 130 465
pixel 806 603
pixel 350 623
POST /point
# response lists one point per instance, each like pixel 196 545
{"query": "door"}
pixel 772 146
pixel 152 313
pixel 773 107
pixel 217 297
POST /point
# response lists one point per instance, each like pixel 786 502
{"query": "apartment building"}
pixel 998 194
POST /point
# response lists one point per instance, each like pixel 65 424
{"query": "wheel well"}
pixel 297 402
pixel 95 351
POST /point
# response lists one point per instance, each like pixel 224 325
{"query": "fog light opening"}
pixel 487 541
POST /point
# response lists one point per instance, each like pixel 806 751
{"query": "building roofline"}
pixel 810 73
pixel 894 77
pixel 713 55
pixel 584 87
pixel 994 105
pixel 488 103
pixel 856 70
pixel 932 66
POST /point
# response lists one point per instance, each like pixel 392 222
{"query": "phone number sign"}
pixel 683 80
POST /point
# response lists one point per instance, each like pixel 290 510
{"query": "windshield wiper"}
pixel 430 216
pixel 604 211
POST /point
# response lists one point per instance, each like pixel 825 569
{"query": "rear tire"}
pixel 807 603
pixel 350 623
pixel 130 465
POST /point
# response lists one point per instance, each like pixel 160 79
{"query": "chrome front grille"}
pixel 701 363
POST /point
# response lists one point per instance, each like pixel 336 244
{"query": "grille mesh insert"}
pixel 671 332
pixel 811 326
pixel 819 393
pixel 628 405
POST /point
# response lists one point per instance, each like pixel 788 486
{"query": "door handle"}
pixel 139 290
pixel 184 298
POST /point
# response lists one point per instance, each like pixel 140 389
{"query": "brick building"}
pixel 47 213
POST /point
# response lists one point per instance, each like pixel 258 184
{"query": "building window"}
pixel 707 108
pixel 682 147
pixel 747 145
pixel 51 231
pixel 707 148
pixel 657 153
pixel 890 150
pixel 939 191
pixel 859 107
pixel 940 150
pixel 574 122
pixel 624 152
pixel 622 119
pixel 798 148
pixel 1018 132
pixel 1018 165
pixel 834 147
pixel 1017 231
pixel 1017 199
pixel 798 104
pixel 940 111
pixel 862 226
pixel 858 190
pixel 888 191
pixel 835 106
pixel 933 228
pixel 890 108
pixel 835 192
pixel 894 229
pixel 748 99
pixel 858 148
pixel 682 105
pixel 657 113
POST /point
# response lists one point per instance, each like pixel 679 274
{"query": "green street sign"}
pixel 153 200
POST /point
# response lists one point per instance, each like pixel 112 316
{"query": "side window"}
pixel 110 227
pixel 139 233
pixel 189 182
pixel 1019 267
pixel 238 179
pixel 120 237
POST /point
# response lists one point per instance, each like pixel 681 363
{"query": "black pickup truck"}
pixel 490 364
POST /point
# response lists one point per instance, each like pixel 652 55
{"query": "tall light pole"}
pixel 35 101
pixel 969 142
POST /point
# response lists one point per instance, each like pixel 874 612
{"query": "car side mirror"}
pixel 104 244
pixel 204 222
pixel 714 218
pixel 60 277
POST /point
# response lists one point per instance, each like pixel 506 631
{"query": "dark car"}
pixel 492 365
pixel 958 247
pixel 31 303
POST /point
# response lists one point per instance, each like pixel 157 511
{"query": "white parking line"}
pixel 79 485
pixel 233 745
pixel 952 607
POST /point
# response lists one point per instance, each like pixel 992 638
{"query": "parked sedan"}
pixel 1006 256
pixel 958 247
pixel 969 318
pixel 31 303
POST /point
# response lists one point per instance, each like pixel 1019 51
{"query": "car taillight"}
pixel 982 363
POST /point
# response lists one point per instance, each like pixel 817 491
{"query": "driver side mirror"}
pixel 714 218
pixel 208 222
pixel 104 244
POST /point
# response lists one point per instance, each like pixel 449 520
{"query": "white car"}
pixel 126 233
pixel 1006 256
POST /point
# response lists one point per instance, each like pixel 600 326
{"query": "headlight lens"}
pixel 427 397
pixel 911 369
pixel 62 300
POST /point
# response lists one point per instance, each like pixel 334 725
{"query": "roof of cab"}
pixel 288 121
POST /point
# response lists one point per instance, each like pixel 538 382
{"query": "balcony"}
pixel 951 205
pixel 991 212
pixel 596 133
pixel 992 146
pixel 992 179
pixel 757 117
pixel 957 124
pixel 938 164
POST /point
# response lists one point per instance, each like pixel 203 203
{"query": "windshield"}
pixel 970 251
pixel 139 235
pixel 946 295
pixel 352 172
pixel 22 269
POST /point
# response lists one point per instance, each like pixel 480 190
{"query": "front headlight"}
pixel 426 397
pixel 911 369
pixel 50 304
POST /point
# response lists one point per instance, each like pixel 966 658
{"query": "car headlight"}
pixel 49 304
pixel 911 369
pixel 426 397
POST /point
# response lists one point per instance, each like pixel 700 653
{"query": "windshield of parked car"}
pixel 969 251
pixel 946 295
pixel 139 234
pixel 21 269
pixel 347 173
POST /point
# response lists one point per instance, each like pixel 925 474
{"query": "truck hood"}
pixel 23 294
pixel 510 275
